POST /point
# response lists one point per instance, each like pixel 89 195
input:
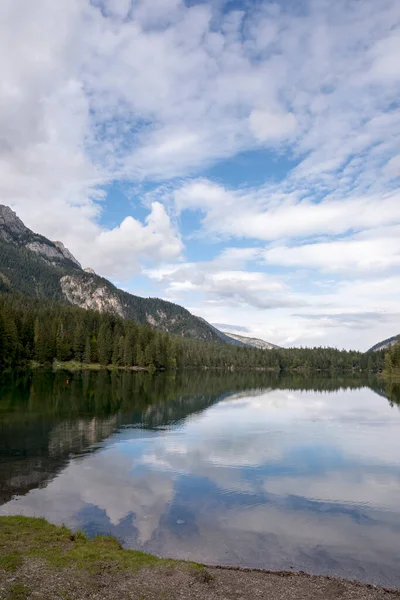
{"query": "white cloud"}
pixel 117 8
pixel 354 254
pixel 393 166
pixel 385 67
pixel 268 126
pixel 271 213
pixel 113 251
pixel 222 283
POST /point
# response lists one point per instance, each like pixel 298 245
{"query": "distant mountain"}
pixel 385 344
pixel 224 337
pixel 252 342
pixel 35 266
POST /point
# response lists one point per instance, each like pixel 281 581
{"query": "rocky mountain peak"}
pixel 67 254
pixel 13 230
pixel 10 223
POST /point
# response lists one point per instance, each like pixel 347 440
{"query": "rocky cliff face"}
pixel 89 294
pixel 51 253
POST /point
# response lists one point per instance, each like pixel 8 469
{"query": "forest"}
pixel 43 331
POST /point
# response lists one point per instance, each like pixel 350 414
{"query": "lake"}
pixel 251 469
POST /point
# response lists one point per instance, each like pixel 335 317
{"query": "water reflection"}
pixel 247 469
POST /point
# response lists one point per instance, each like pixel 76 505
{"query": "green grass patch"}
pixel 11 561
pixel 18 591
pixel 25 537
pixel 73 365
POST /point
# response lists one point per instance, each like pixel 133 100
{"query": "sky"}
pixel 240 158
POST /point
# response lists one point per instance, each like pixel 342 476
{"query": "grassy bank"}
pixel 24 537
pixel 28 545
pixel 39 560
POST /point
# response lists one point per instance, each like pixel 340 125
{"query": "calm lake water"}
pixel 245 469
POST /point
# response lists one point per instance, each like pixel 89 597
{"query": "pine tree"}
pixel 128 351
pixel 105 343
pixel 118 350
pixel 63 345
pixel 79 341
pixel 44 347
pixel 87 355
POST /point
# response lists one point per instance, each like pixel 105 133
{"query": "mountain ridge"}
pixel 385 343
pixel 36 266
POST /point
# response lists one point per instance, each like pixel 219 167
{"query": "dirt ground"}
pixel 34 579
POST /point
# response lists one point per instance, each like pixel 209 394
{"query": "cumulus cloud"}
pixel 113 251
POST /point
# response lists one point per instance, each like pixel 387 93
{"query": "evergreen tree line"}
pixel 44 331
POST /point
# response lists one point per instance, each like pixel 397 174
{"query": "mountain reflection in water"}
pixel 254 469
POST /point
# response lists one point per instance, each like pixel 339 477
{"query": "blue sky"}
pixel 239 158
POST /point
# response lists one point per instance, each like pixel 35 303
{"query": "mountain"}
pixel 385 344
pixel 250 341
pixel 14 231
pixel 35 266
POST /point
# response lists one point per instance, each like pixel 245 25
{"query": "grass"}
pixel 19 591
pixel 73 365
pixel 25 537
pixel 11 561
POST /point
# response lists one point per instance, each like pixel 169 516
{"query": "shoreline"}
pixel 45 561
pixel 78 366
